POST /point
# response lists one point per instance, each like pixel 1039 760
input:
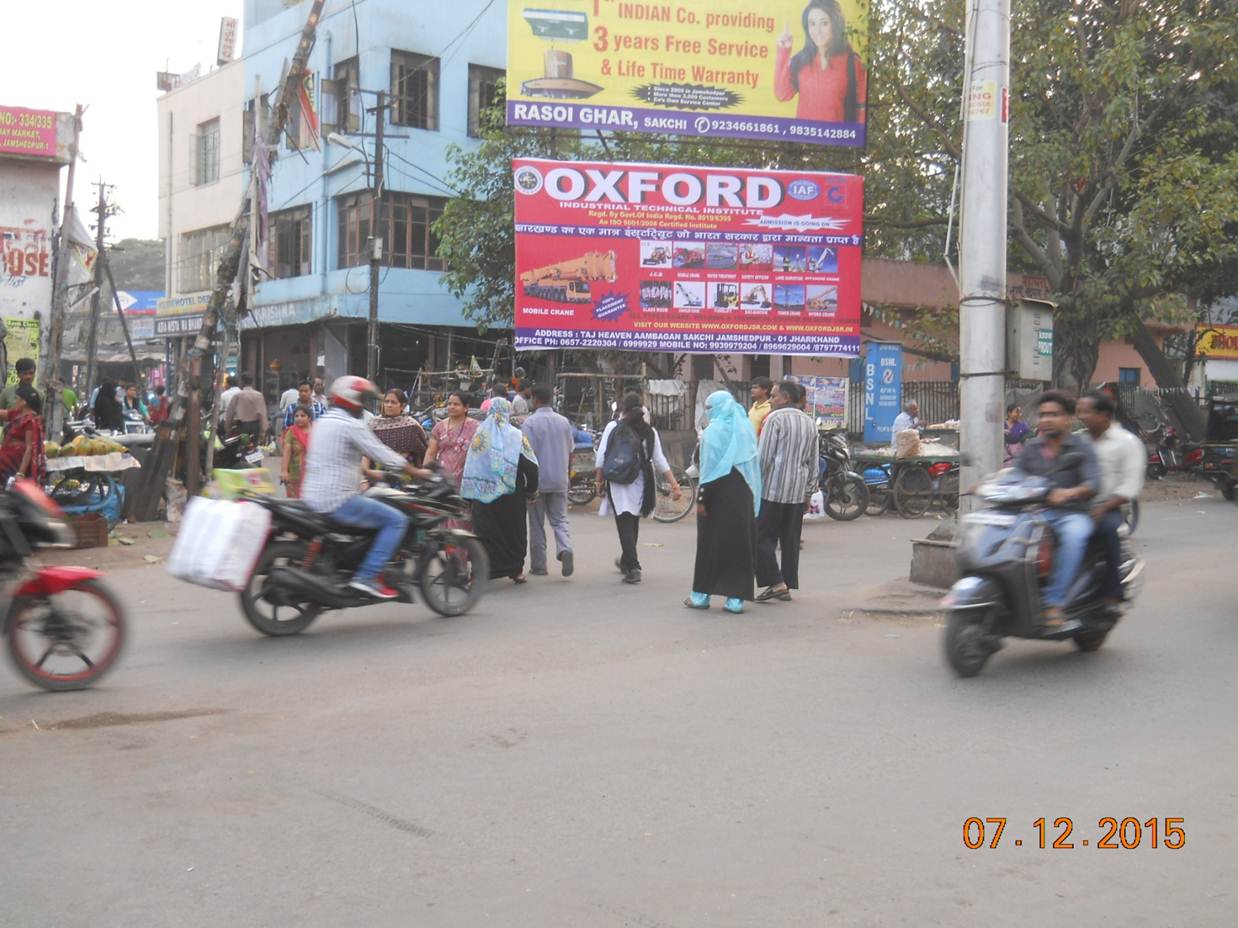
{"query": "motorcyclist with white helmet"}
pixel 333 476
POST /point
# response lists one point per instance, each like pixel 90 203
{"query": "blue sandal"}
pixel 697 601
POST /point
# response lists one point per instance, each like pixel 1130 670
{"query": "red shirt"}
pixel 823 91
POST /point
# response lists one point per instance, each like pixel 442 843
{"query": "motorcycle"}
pixel 1166 452
pixel 582 466
pixel 845 491
pixel 1005 555
pixel 309 558
pixel 63 628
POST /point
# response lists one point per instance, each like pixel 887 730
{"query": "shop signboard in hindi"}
pixel 883 391
pixel 783 70
pixel 655 257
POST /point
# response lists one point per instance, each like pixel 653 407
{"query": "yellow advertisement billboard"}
pixel 782 70
pixel 1217 341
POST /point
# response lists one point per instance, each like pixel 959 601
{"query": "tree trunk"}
pixel 1076 349
pixel 1181 405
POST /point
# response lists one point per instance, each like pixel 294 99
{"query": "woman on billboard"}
pixel 826 73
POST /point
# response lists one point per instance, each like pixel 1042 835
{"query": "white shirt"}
pixel 628 496
pixel 289 398
pixel 1123 461
pixel 333 463
pixel 902 422
pixel 225 398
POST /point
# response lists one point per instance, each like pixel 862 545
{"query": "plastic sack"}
pixel 907 444
pixel 816 508
pixel 219 543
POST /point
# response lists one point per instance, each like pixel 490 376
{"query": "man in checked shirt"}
pixel 333 476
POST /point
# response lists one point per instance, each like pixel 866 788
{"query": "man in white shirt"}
pixel 1123 461
pixel 232 387
pixel 909 418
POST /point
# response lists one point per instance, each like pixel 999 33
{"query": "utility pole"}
pixel 64 256
pixel 376 240
pixel 102 210
pixel 982 246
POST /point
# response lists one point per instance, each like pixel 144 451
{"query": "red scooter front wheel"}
pixel 65 640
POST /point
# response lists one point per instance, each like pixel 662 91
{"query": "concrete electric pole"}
pixel 102 210
pixel 376 239
pixel 982 259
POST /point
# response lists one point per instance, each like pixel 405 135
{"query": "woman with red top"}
pixel 826 73
pixel 21 452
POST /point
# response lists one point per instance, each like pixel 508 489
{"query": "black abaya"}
pixel 503 525
pixel 726 539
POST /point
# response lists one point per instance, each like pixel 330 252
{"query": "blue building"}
pixel 439 65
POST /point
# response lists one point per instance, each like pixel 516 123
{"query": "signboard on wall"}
pixel 21 340
pixel 827 400
pixel 653 257
pixel 1219 342
pixel 782 70
pixel 883 391
pixel 181 315
pixel 28 133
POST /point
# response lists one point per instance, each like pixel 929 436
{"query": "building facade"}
pixel 438 67
pixel 202 125
pixel 34 146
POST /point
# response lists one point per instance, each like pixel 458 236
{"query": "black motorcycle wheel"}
pixel 454 575
pixel 966 644
pixel 846 498
pixel 66 641
pixel 1090 641
pixel 879 500
pixel 581 493
pixel 272 611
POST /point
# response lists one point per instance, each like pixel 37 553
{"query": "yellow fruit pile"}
pixel 81 446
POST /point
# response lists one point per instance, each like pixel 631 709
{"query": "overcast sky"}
pixel 105 56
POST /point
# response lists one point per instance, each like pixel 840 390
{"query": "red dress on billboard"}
pixel 823 91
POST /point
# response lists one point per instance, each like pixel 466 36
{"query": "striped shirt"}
pixel 788 450
pixel 333 464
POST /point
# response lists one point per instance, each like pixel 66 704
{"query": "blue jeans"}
pixel 1072 531
pixel 361 512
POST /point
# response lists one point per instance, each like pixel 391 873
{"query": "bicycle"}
pixel 665 508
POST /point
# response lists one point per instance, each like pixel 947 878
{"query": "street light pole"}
pixel 982 246
pixel 376 240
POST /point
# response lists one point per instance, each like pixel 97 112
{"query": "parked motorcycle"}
pixel 64 629
pixel 582 467
pixel 309 558
pixel 845 491
pixel 1167 453
pixel 1005 555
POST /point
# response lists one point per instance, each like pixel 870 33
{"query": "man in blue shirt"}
pixel 1069 462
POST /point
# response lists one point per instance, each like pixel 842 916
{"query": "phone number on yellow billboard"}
pixel 785 70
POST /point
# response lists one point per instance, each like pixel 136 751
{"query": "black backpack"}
pixel 625 455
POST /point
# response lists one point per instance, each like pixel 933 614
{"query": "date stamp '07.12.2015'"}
pixel 1111 833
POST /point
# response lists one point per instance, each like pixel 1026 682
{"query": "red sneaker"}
pixel 373 588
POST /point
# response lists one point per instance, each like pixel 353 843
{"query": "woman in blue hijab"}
pixel 500 476
pixel 726 507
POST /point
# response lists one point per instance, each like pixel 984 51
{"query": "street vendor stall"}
pixel 89 482
pixel 910 484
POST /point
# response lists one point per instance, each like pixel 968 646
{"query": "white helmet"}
pixel 351 392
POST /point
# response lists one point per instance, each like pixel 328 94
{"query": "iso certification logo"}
pixel 528 180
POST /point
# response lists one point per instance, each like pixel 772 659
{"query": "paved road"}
pixel 582 753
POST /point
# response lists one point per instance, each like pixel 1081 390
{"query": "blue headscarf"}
pixel 729 441
pixel 494 454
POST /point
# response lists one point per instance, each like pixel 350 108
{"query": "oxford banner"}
pixel 785 70
pixel 655 257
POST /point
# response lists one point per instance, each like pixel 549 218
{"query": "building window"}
pixel 291 253
pixel 205 159
pixel 199 258
pixel 414 90
pixel 483 91
pixel 406 228
pixel 1129 375
pixel 341 99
